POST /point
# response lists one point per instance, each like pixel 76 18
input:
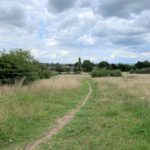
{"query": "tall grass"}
pixel 28 111
pixel 116 117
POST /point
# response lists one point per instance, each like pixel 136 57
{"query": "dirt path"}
pixel 60 123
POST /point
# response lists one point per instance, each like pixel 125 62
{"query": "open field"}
pixel 116 117
pixel 28 112
pixel 74 75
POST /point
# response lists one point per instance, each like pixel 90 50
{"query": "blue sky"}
pixel 63 30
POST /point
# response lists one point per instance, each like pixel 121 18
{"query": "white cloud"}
pixel 129 55
pixel 87 14
pixel 52 42
pixel 87 40
pixel 63 30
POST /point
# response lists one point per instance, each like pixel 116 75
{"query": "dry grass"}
pixel 36 104
pixel 62 82
pixel 133 84
pixel 116 117
pixel 59 84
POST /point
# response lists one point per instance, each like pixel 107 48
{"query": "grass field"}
pixel 116 117
pixel 28 112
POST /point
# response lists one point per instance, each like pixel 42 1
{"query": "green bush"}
pixel 105 73
pixel 95 73
pixel 18 67
pixel 141 71
pixel 115 73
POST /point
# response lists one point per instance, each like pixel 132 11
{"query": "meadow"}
pixel 29 111
pixel 116 116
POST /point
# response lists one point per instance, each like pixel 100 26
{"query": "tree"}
pixel 19 65
pixel 125 67
pixel 114 66
pixel 59 68
pixel 87 66
pixel 140 65
pixel 104 64
pixel 78 66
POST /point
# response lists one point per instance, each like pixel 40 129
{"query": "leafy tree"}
pixel 78 66
pixel 104 64
pixel 59 68
pixel 19 65
pixel 87 66
pixel 140 65
pixel 125 67
pixel 114 66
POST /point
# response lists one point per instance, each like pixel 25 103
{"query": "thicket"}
pixel 141 71
pixel 19 67
pixel 105 73
pixel 141 68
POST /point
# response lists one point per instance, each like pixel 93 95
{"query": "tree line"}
pixel 88 66
pixel 19 66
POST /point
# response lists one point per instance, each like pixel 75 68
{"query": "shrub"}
pixel 95 73
pixel 18 66
pixel 141 71
pixel 115 73
pixel 105 73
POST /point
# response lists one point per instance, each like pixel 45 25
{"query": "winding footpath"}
pixel 60 123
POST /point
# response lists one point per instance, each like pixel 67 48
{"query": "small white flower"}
pixel 10 140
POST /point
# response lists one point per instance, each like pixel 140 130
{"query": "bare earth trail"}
pixel 60 123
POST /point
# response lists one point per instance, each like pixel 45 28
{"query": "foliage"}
pixel 140 65
pixel 141 71
pixel 125 67
pixel 59 68
pixel 19 65
pixel 87 66
pixel 104 64
pixel 115 73
pixel 78 66
pixel 105 73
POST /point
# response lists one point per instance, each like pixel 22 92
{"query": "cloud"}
pixel 63 30
pixel 87 40
pixel 122 8
pixel 52 42
pixel 60 5
pixel 12 14
pixel 51 55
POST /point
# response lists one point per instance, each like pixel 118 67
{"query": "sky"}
pixel 63 30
